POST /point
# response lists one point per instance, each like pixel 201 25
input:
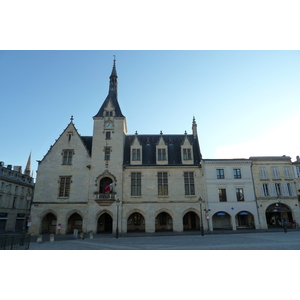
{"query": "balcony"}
pixel 105 199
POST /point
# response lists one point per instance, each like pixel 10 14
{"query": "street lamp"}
pixel 117 229
pixel 201 219
pixel 27 212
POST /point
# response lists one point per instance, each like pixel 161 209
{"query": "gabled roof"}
pixel 173 143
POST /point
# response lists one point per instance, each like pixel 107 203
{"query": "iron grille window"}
pixel 136 184
pixel 222 195
pixel 64 186
pixel 237 173
pixel 107 153
pixel 187 154
pixel 162 183
pixel 67 157
pixel 189 185
pixel 239 194
pixel 220 174
pixel 161 154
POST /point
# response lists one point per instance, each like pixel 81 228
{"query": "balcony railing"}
pixel 105 196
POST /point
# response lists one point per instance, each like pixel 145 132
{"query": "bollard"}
pixel 51 237
pixel 91 234
pixel 39 238
pixel 81 235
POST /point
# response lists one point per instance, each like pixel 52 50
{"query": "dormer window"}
pixel 136 154
pixel 187 154
pixel 161 154
pixel 109 113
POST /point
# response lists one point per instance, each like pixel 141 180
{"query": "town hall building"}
pixel 116 182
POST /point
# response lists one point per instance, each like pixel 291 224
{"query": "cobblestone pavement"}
pixel 244 241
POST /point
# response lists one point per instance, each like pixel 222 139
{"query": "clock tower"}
pixel 108 141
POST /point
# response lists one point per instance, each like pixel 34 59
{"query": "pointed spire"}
pixel 194 127
pixel 28 166
pixel 113 79
pixel 112 94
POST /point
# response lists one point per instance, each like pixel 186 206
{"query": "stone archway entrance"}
pixel 49 223
pixel 221 220
pixel 105 223
pixel 276 212
pixel 136 223
pixel 74 222
pixel 191 221
pixel 163 222
pixel 244 220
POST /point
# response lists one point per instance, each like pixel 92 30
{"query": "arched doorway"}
pixel 49 223
pixel 276 212
pixel 103 183
pixel 136 222
pixel 244 220
pixel 191 221
pixel 105 223
pixel 221 220
pixel 163 222
pixel 74 222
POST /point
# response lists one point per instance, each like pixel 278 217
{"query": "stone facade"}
pixel 16 191
pixel 230 194
pixel 114 182
pixel 276 188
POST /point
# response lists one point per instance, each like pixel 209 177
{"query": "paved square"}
pixel 234 241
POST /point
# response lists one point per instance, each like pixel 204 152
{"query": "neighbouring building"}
pixel 275 181
pixel 231 202
pixel 16 191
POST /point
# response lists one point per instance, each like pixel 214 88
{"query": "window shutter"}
pixel 287 173
pixel 284 190
pixel 272 190
pixel 297 174
pixel 262 190
pixel 275 173
pixel 263 173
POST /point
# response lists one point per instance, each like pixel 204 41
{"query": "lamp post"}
pixel 27 212
pixel 201 219
pixel 117 229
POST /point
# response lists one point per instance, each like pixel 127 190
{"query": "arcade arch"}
pixel 276 212
pixel 163 222
pixel 221 220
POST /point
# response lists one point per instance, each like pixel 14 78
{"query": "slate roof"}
pixel 173 142
pixel 88 142
pixel 112 95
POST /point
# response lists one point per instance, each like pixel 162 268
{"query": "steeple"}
pixel 112 94
pixel 113 80
pixel 194 127
pixel 28 166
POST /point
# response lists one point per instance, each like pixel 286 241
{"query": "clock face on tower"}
pixel 108 125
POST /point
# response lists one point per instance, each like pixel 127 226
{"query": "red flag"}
pixel 108 188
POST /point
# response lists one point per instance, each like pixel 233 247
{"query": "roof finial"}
pixel 71 119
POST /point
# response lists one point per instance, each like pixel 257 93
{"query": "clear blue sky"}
pixel 246 103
